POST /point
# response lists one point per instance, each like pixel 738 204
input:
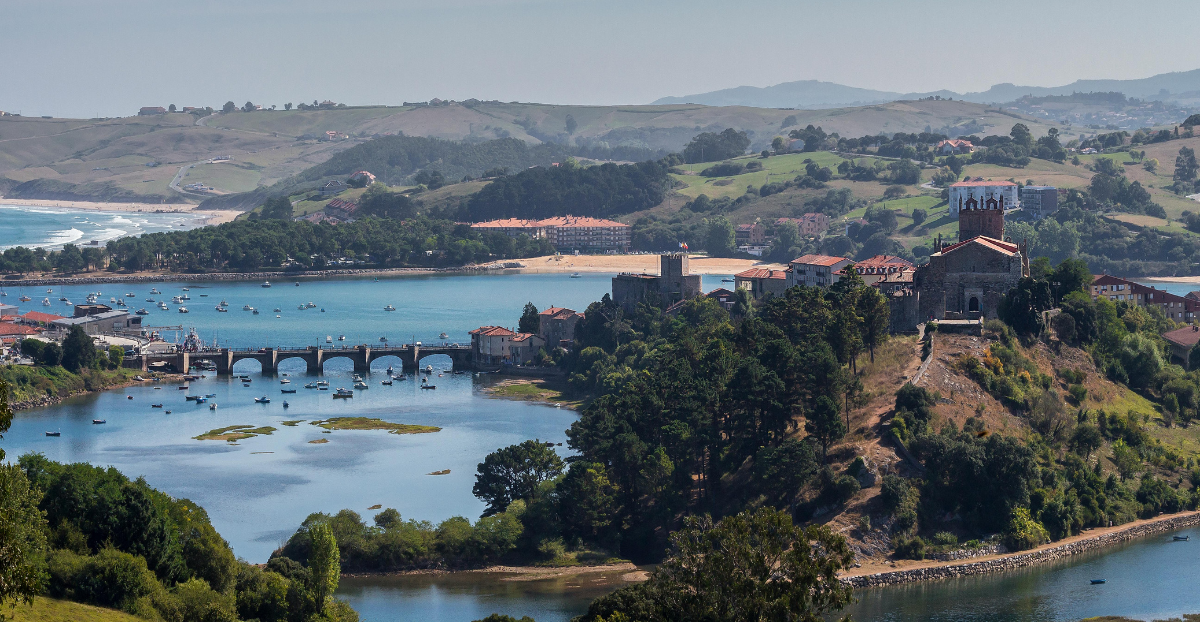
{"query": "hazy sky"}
pixel 86 58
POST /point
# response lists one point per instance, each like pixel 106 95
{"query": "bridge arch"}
pixel 247 365
pixel 337 363
pixel 293 365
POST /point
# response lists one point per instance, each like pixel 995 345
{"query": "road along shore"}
pixel 1092 540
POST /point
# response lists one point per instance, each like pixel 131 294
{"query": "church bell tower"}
pixel 981 218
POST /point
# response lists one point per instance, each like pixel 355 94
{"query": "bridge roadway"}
pixel 314 356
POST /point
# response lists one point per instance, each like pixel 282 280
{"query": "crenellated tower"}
pixel 981 218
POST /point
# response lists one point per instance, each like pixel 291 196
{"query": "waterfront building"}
pixel 524 347
pixel 750 234
pixel 672 285
pixel 557 326
pixel 491 345
pixel 567 233
pixel 101 322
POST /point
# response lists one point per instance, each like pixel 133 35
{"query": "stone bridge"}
pixel 314 357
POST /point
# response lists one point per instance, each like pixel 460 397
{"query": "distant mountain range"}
pixel 1180 86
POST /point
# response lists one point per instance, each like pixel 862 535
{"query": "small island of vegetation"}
pixel 235 432
pixel 359 423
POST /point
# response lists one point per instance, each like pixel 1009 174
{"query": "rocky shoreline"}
pixel 1021 560
pixel 47 400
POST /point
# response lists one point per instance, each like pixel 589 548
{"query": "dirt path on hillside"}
pixel 877 449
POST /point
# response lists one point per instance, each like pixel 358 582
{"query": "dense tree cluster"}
pixel 113 542
pixel 600 191
pixel 714 147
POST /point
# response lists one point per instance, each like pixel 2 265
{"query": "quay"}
pixel 314 356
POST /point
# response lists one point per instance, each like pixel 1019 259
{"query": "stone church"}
pixel 967 279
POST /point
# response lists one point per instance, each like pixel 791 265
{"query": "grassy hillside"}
pixel 142 154
pixel 46 609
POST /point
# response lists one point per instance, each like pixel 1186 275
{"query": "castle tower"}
pixel 981 218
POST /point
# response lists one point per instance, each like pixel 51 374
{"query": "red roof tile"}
pixel 819 260
pixel 986 241
pixel 777 274
pixel 45 318
pixel 492 331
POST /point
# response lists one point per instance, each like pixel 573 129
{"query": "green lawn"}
pixel 229 177
pixel 777 168
pixel 45 609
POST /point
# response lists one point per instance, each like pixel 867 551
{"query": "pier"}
pixel 314 357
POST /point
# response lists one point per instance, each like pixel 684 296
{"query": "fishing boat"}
pixel 389 308
pixel 310 386
pixel 157 406
pixel 245 384
pixel 201 401
pixel 142 311
pixel 266 284
pixel 183 309
pixel 262 399
pixel 112 300
pixel 120 302
pixel 222 309
pixel 343 393
pixel 255 311
pixel 150 300
pixel 428 386
pixel 185 296
pixel 62 299
pixel 168 411
pixel 383 339
pixel 401 377
pixel 576 275
pixel 328 339
pixel 25 298
pixel 390 369
pixel 443 336
pixel 310 305
pixel 213 406
pixel 387 382
pixel 164 307
pixel 186 289
pixel 247 308
pixel 154 291
pixel 278 310
pixel 429 369
pixel 284 381
pixel 45 301
pixel 129 397
pixel 99 421
pixel 1180 537
pixel 245 379
pixel 287 391
pixel 323 383
pixel 183 387
pixel 53 433
pixel 130 295
pixel 301 307
pixel 361 385
pixel 178 299
pixel 1099 581
pixel 224 303
pixel 196 397
pixel 90 299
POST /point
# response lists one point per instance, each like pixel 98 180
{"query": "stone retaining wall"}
pixel 1025 559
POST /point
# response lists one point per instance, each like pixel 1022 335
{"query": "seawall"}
pixel 1025 559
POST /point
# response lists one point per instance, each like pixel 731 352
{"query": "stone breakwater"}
pixel 1037 556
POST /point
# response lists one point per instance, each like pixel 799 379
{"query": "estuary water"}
pixel 51 228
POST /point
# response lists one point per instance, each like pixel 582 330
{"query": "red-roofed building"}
pixel 723 296
pixel 557 326
pixel 750 234
pixel 490 345
pixel 16 331
pixel 809 224
pixel 35 318
pixel 762 283
pixel 877 268
pixel 1181 341
pixel 1181 309
pixel 524 347
pixel 567 233
pixel 951 147
pixel 815 270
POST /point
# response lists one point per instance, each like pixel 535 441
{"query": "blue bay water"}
pixel 51 228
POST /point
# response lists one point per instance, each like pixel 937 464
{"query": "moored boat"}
pixel 53 433
pixel 262 399
pixel 99 421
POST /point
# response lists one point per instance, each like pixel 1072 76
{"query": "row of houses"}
pixel 755 234
pixel 497 345
pixel 95 319
pixel 567 233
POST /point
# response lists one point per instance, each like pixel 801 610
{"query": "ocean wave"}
pixel 62 237
pixel 120 219
pixel 109 234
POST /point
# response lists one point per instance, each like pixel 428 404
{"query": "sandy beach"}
pixel 635 263
pixel 210 217
pixel 1183 279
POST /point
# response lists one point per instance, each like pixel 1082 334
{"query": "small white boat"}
pixel 164 307
pixel 389 308
pixel 154 291
pixel 186 289
pixel 112 300
pixel 361 385
pixel 387 382
pixel 343 393
pixel 99 421
pixel 311 386
pixel 150 300
pixel 311 305
pixel 53 433
pixel 224 303
pixel 183 309
pixel 45 301
pixel 328 339
pixel 443 336
pixel 266 284
pixel 247 308
pixel 429 369
pixel 25 298
pixel 297 284
pixel 222 309
pixel 341 337
pixel 576 275
pixel 142 311
pixel 213 406
pixel 132 295
pixel 284 381
pixel 301 307
pixel 262 399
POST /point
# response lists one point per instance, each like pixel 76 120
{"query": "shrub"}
pixel 1078 393
pixel 723 169
pixel 910 548
pixel 893 492
pixel 200 603
pixel 945 539
pixel 1023 532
